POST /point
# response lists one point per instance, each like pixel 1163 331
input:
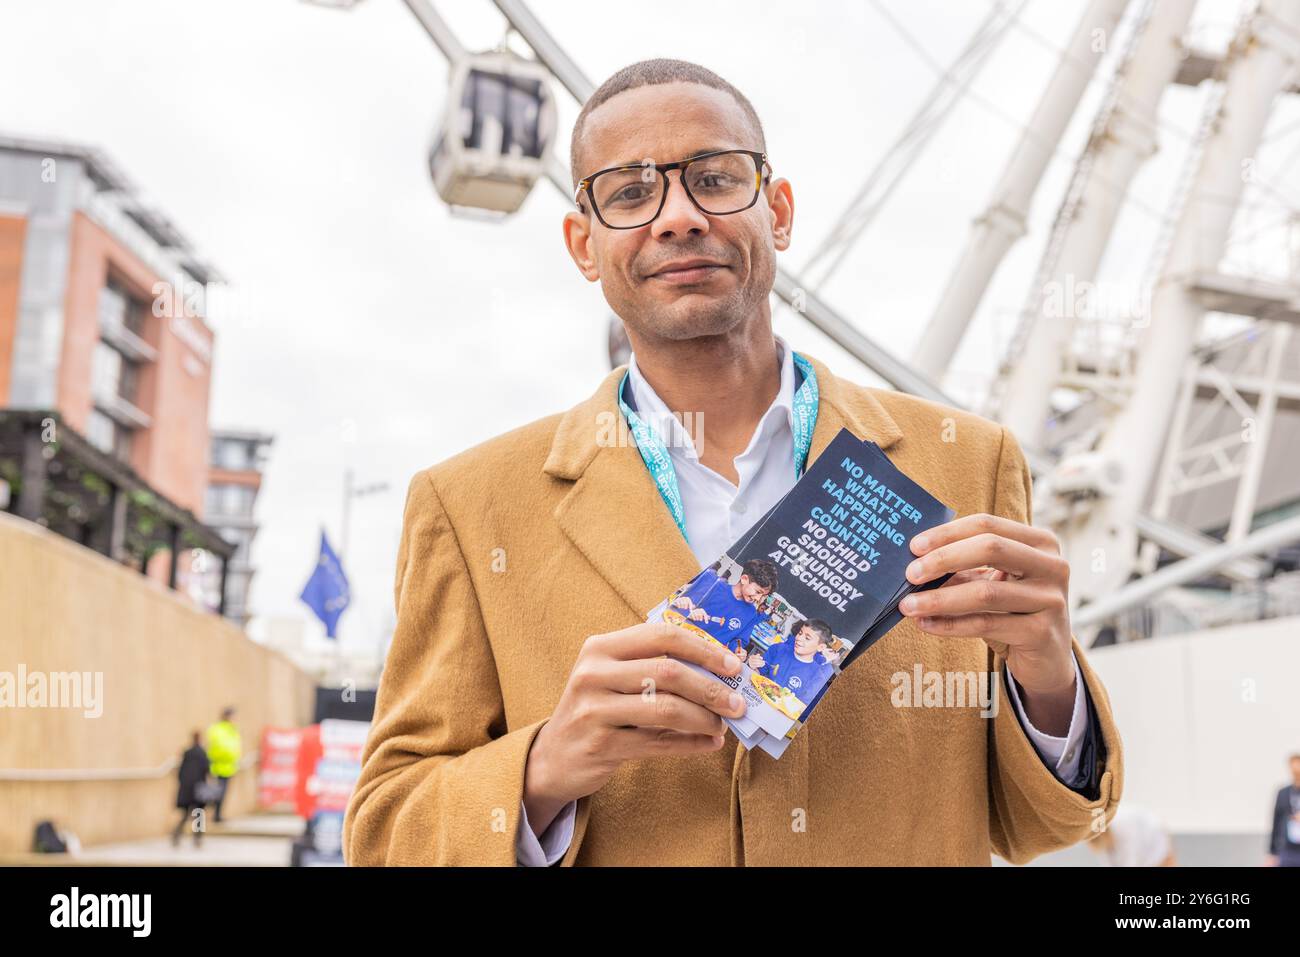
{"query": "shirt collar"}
pixel 655 413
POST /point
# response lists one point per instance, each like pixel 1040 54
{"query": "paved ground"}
pixel 1191 850
pixel 261 825
pixel 262 840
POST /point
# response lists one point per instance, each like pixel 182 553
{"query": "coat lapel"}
pixel 612 511
pixel 845 405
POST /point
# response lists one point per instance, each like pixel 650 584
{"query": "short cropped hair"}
pixel 761 572
pixel 653 73
pixel 819 627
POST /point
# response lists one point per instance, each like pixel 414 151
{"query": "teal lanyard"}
pixel 656 458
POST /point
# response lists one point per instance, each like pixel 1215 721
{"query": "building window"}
pixel 106 373
pixel 239 500
pixel 213 505
pixel 99 430
pixel 113 375
pixel 235 455
pixel 107 436
pixel 230 501
pixel 117 307
pixel 242 539
pixel 129 381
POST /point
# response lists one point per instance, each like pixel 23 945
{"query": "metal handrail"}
pixel 105 774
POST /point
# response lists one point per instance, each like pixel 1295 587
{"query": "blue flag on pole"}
pixel 326 592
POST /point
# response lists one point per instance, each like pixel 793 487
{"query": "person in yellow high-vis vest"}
pixel 223 755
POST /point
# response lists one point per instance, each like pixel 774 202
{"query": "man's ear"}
pixel 780 205
pixel 578 240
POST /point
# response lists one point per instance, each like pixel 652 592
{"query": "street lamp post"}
pixel 351 491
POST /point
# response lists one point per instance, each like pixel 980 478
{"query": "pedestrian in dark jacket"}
pixel 1284 839
pixel 192 778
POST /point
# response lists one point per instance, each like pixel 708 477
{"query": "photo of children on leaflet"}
pixel 803 662
pixel 790 657
pixel 727 612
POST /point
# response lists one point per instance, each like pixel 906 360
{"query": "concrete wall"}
pixel 167 669
pixel 1207 720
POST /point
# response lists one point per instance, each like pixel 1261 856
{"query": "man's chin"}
pixel 692 316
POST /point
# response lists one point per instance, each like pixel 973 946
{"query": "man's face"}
pixel 1295 771
pixel 752 592
pixel 636 267
pixel 806 642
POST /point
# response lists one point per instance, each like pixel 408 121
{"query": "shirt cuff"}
pixel 1062 754
pixel 554 842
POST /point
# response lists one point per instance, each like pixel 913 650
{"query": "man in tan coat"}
pixel 527 714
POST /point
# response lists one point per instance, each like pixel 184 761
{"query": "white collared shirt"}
pixel 717 513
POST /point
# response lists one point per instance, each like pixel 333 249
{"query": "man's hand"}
pixel 1010 586
pixel 625 701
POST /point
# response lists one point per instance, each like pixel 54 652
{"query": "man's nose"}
pixel 679 216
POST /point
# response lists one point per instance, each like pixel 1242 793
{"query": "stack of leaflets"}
pixel 810 587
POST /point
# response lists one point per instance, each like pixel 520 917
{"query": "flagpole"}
pixel 347 514
pixel 350 491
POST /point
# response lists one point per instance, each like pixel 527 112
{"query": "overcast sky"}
pixel 289 142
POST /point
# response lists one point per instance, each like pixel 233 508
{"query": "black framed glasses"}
pixel 718 183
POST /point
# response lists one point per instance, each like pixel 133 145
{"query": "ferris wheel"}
pixel 1125 420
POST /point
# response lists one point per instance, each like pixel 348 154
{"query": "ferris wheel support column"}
pixel 1003 222
pixel 1123 141
pixel 438 30
pixel 1101 545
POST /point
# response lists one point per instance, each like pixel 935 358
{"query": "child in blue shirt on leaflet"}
pixel 800 662
pixel 728 612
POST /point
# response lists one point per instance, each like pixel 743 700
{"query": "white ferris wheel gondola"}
pixel 497 132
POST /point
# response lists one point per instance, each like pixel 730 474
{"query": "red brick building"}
pixel 102 322
pixel 90 322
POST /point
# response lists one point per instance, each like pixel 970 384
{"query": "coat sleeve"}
pixel 441 779
pixel 1030 811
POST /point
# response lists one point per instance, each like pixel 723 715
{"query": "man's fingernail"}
pixel 735 700
pixel 914 570
pixel 731 661
pixel 907 605
pixel 920 542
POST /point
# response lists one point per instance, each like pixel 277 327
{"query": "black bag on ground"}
pixel 47 840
